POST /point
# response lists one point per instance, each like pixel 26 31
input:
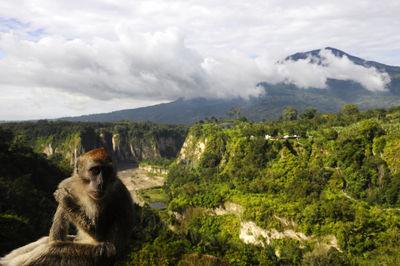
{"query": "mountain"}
pixel 176 112
pixel 336 52
pixel 393 71
pixel 277 98
pixel 339 53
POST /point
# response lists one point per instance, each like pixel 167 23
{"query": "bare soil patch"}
pixel 136 179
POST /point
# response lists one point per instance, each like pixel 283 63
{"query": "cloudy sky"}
pixel 68 57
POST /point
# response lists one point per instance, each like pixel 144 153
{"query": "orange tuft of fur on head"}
pixel 97 154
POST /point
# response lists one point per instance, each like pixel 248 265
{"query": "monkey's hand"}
pixel 67 201
pixel 76 214
pixel 60 194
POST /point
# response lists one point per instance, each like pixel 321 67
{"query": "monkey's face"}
pixel 97 172
pixel 97 177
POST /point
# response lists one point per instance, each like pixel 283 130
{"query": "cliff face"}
pixel 123 148
pixel 127 149
pixel 192 149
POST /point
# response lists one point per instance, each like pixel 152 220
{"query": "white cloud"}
pixel 157 50
pixel 143 66
pixel 18 103
pixel 156 68
pixel 344 69
pixel 306 74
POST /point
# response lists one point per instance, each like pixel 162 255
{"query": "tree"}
pixel 331 134
pixel 350 109
pixel 234 112
pixel 213 119
pixel 381 113
pixel 309 113
pixel 243 118
pixel 371 129
pixel 290 114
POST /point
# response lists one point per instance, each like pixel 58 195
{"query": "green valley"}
pixel 331 197
pixel 308 189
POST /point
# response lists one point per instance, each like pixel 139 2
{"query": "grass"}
pixel 154 194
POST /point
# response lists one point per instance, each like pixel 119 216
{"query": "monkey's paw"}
pixel 61 194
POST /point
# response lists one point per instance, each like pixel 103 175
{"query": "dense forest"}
pixel 27 183
pixel 329 196
pixel 306 189
pixel 127 141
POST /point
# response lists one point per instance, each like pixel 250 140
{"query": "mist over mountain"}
pixel 316 57
pixel 325 79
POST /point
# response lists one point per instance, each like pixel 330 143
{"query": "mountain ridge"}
pixel 271 105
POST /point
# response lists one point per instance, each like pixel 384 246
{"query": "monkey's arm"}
pixel 71 210
pixel 59 228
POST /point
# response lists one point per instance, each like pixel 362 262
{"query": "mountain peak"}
pixel 316 53
pixel 337 52
pixel 271 105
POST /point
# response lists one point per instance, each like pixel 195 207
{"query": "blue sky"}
pixel 2 53
pixel 61 58
pixel 11 23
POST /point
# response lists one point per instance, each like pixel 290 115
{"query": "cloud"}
pixel 209 25
pixel 343 69
pixel 313 72
pixel 20 103
pixel 160 67
pixel 142 66
pixel 158 50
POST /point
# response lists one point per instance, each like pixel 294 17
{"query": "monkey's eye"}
pixel 95 170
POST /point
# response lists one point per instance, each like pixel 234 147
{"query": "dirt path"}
pixel 136 179
pixel 350 197
pixel 344 185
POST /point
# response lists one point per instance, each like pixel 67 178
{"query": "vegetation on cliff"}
pixel 338 185
pixel 27 183
pixel 241 193
pixel 127 141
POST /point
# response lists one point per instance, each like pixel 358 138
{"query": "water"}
pixel 159 205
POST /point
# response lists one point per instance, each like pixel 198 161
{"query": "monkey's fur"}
pixel 100 207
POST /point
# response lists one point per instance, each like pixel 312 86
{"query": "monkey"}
pixel 101 208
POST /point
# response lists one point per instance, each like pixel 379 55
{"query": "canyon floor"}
pixel 136 179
